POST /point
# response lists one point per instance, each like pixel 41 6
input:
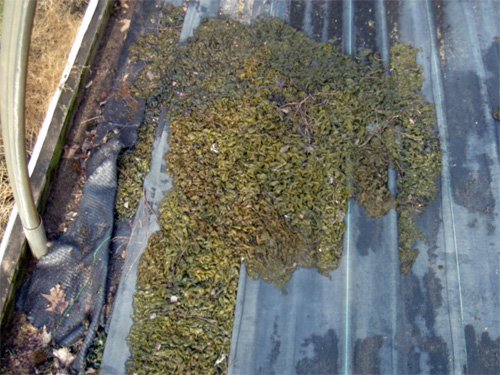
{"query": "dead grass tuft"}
pixel 55 26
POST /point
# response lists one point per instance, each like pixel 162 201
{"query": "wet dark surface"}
pixel 366 359
pixel 364 24
pixel 372 233
pixel 324 349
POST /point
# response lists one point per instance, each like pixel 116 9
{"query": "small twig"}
pixel 406 135
pixel 124 173
pixel 208 118
pixel 279 166
pixel 91 119
pixel 210 322
pixel 375 132
pixel 116 238
pixel 151 211
pixel 179 257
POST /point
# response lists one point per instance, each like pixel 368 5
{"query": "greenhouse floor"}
pixel 368 318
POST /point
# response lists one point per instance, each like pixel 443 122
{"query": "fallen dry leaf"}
pixel 64 357
pixel 126 25
pixel 56 298
pixel 70 151
pixel 45 336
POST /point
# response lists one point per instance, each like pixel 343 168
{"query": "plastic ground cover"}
pixel 443 316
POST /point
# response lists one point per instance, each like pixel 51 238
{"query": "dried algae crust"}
pixel 271 134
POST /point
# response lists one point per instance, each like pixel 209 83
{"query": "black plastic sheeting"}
pixel 73 274
pixel 443 317
pixel 367 318
pixel 67 290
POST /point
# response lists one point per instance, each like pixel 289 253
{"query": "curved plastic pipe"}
pixel 17 24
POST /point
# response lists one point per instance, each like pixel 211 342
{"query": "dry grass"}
pixel 55 26
pixel 6 198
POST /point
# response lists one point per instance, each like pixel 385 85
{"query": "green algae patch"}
pixel 271 134
pixel 184 304
pixel 134 164
pixel 156 50
pixel 495 112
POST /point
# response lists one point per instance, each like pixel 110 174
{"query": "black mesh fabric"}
pixel 76 265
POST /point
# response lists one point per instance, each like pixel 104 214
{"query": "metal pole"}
pixel 17 24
